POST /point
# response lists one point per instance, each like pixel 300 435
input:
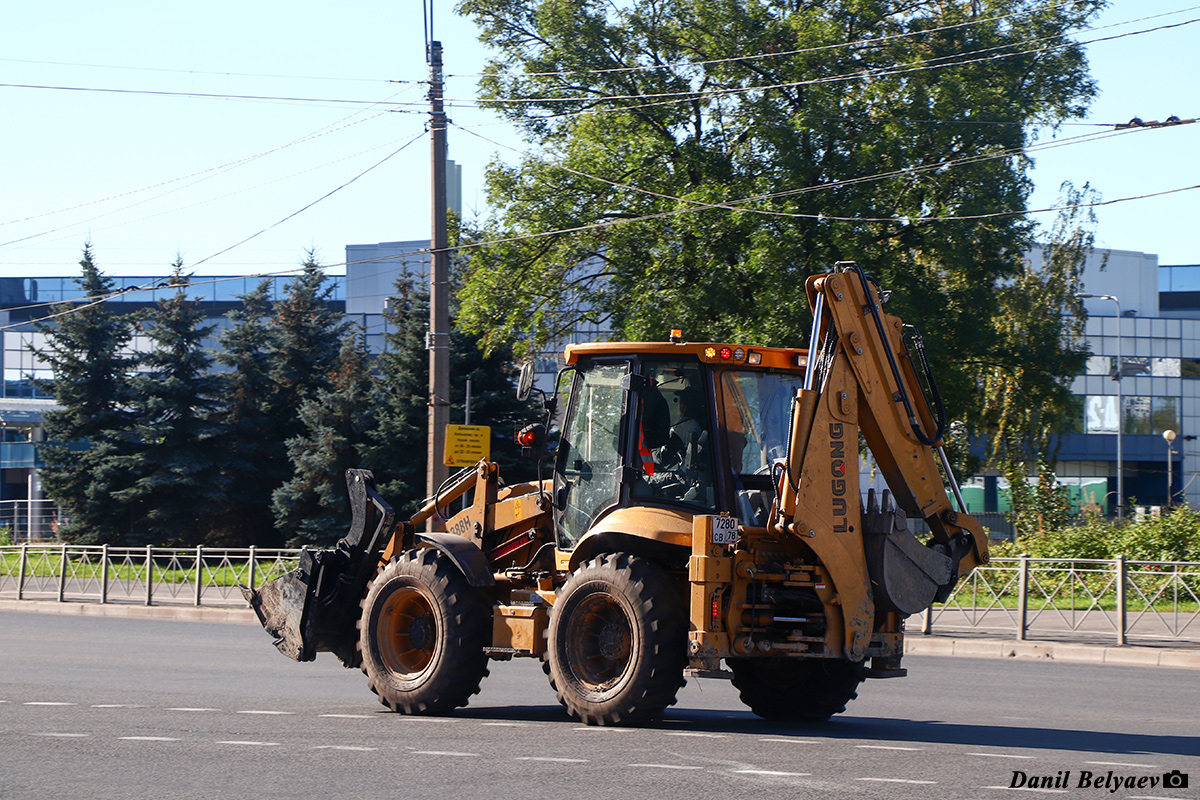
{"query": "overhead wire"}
pixel 867 74
pixel 207 174
pixel 213 73
pixel 811 50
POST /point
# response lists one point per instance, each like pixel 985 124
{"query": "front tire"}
pixel 796 690
pixel 422 634
pixel 617 641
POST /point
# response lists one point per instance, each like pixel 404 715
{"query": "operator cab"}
pixel 680 426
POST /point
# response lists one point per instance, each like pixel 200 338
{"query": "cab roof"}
pixel 782 358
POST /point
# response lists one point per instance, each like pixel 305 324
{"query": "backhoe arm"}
pixel 860 377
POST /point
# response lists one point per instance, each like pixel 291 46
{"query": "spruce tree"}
pixel 175 458
pixel 87 348
pixel 401 400
pixel 312 507
pixel 304 346
pixel 254 455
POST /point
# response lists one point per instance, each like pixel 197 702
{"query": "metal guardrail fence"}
pixel 144 575
pixel 1109 599
pixel 1113 600
pixel 30 520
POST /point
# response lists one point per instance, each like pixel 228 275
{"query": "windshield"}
pixel 758 412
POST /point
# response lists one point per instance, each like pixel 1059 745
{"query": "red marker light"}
pixel 726 353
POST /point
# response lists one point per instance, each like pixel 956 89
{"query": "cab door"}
pixel 588 469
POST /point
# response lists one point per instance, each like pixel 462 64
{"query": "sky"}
pixel 244 181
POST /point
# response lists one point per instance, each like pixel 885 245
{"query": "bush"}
pixel 1175 536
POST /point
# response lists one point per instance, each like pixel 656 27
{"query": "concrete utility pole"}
pixel 438 340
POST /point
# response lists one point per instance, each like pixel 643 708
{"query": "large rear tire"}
pixel 796 690
pixel 422 634
pixel 617 641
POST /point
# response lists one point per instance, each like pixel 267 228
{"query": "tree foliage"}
pixel 312 507
pixel 87 349
pixel 698 159
pixel 255 461
pixel 174 453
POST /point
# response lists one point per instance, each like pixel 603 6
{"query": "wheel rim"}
pixel 406 630
pixel 599 642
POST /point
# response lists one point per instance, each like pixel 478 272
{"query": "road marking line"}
pixel 507 724
pixel 1150 797
pixel 1122 764
pixel 274 713
pixel 664 766
pixel 252 744
pixel 699 735
pixel 598 728
pixel 116 705
pixel 1026 789
pixel 63 735
pixel 885 747
pixel 345 747
pixel 48 703
pixel 791 741
pixel 555 760
pixel 998 755
pixel 771 772
pixel 193 709
pixel 347 716
pixel 147 739
pixel 893 780
pixel 444 753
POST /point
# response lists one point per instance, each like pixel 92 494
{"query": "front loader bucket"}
pixel 279 605
pixel 314 608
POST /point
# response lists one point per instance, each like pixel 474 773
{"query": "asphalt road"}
pixel 112 708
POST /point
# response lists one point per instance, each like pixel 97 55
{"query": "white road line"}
pixel 893 780
pixel 506 724
pixel 272 713
pixel 885 747
pixel 664 766
pixel 1150 797
pixel 791 741
pixel 1122 764
pixel 62 735
pixel 48 703
pixel 252 744
pixel 444 753
pixel 998 755
pixel 1025 789
pixel 555 760
pixel 772 773
pixel 698 735
pixel 345 747
pixel 147 739
pixel 347 716
pixel 193 709
pixel 116 705
pixel 599 729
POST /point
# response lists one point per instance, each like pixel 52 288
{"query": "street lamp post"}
pixel 1169 435
pixel 1120 403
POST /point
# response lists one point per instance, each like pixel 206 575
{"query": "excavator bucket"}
pixel 314 607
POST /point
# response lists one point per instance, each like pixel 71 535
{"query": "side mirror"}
pixel 525 382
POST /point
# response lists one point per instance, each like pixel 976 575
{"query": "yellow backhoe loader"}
pixel 703 518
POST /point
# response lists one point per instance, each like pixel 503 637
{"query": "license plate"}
pixel 724 530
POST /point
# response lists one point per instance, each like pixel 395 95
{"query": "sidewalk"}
pixel 914 643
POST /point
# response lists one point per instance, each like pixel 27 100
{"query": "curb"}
pixel 237 616
pixel 914 644
pixel 1128 656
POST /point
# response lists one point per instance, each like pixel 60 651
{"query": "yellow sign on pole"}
pixel 467 444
